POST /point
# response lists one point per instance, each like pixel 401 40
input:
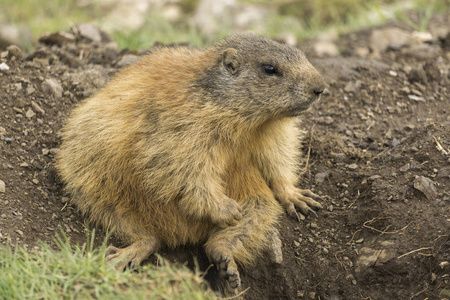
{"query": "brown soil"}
pixel 372 148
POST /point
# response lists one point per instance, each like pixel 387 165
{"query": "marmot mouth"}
pixel 298 108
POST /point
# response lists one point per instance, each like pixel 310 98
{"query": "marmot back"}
pixel 192 146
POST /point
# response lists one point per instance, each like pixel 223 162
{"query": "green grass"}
pixel 302 18
pixel 79 272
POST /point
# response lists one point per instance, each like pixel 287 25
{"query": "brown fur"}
pixel 192 146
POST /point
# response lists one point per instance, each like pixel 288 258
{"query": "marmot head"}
pixel 261 78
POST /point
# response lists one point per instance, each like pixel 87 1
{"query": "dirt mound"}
pixel 377 148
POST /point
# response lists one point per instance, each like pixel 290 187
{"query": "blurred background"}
pixel 137 24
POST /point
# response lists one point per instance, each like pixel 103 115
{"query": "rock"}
pixel 9 34
pixel 353 166
pixel 30 90
pixel 444 172
pixel 58 38
pixel 35 181
pixel 352 87
pixel 2 186
pixel 89 32
pixel 4 67
pixel 394 38
pixel 421 52
pixel 37 108
pixel 417 75
pixel 52 87
pixel 327 120
pixel 422 37
pixel 320 177
pixel 362 51
pixel 30 113
pixel 376 255
pixel 426 186
pixel 276 253
pixel 416 98
pixel 127 59
pixel 326 48
pixel 54 151
pixel 405 168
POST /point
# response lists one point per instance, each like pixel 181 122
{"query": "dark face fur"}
pixel 262 78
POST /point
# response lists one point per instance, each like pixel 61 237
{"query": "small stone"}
pixel 416 98
pixel 59 38
pixel 53 88
pixel 45 151
pixel 320 177
pixel 37 108
pixel 24 164
pixel 426 186
pixel 54 151
pixel 326 48
pixel 35 181
pixel 312 295
pixel 313 225
pixel 296 244
pixel 393 73
pixel 444 172
pixel 2 186
pixel 352 87
pixel 30 113
pixel 327 120
pixel 405 168
pixel 127 59
pixel 325 251
pixel 353 166
pixel 359 241
pixel 89 32
pixel 30 90
pixel 4 67
pixel 20 232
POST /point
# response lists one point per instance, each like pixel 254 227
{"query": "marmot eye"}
pixel 270 70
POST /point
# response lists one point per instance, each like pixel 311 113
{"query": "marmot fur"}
pixel 191 146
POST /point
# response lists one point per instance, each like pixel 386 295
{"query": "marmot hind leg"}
pixel 245 241
pixel 133 255
pixel 142 243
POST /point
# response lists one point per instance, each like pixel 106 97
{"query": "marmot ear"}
pixel 230 60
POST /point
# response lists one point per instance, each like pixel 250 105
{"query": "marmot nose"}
pixel 318 89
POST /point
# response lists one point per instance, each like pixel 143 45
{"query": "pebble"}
pixel 127 59
pixel 426 186
pixel 37 108
pixel 52 87
pixel 30 113
pixel 35 181
pixel 416 98
pixel 2 186
pixel 4 67
pixel 405 168
pixel 320 177
pixel 90 32
pixel 353 166
pixel 30 90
